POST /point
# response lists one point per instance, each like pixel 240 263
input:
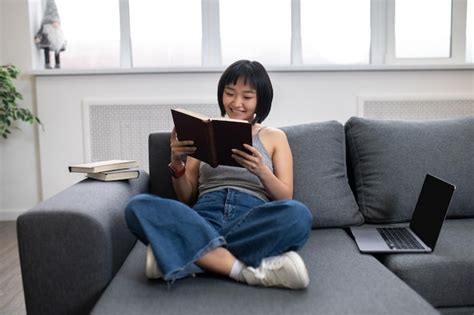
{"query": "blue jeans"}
pixel 250 228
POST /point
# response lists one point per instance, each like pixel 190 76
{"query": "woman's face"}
pixel 240 101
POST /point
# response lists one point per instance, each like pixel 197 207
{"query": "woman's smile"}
pixel 240 101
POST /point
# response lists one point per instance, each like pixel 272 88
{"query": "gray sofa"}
pixel 78 257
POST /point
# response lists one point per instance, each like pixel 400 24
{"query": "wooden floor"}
pixel 11 289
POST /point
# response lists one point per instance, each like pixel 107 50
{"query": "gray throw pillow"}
pixel 320 178
pixel 388 160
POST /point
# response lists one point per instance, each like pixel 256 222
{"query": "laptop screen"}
pixel 431 209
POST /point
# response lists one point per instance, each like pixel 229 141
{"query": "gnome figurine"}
pixel 50 36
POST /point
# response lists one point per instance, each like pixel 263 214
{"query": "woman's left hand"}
pixel 253 162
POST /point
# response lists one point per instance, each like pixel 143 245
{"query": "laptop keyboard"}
pixel 399 238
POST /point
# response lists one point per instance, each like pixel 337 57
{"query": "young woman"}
pixel 243 222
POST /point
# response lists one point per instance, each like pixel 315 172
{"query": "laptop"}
pixel 422 233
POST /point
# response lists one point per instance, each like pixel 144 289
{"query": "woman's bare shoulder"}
pixel 274 133
pixel 273 139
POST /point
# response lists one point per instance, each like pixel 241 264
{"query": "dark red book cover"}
pixel 213 138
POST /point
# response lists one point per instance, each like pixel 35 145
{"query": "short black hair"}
pixel 253 73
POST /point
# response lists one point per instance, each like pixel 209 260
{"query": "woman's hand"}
pixel 253 162
pixel 180 149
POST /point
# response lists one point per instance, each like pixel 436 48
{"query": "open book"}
pixel 214 138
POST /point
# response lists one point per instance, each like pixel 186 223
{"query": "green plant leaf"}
pixel 9 96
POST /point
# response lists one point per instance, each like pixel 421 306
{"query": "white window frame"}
pixel 296 50
pixel 458 37
pixel 378 31
pixel 382 46
pixel 126 57
pixel 211 38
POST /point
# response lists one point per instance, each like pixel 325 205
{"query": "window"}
pixel 208 33
pixel 258 30
pixel 335 32
pixel 423 28
pixel 92 31
pixel 165 33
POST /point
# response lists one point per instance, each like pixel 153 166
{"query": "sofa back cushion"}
pixel 388 160
pixel 320 174
pixel 159 154
pixel 320 178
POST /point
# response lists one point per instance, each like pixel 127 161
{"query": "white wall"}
pixel 19 171
pixel 1 31
pixel 300 97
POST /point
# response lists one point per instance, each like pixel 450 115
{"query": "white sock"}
pixel 236 271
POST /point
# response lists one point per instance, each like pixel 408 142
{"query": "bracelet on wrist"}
pixel 175 172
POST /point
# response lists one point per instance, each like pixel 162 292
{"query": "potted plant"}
pixel 9 96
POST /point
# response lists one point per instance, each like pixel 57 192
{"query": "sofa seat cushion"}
pixel 446 276
pixel 342 282
pixel 388 161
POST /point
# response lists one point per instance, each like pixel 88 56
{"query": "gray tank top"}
pixel 239 178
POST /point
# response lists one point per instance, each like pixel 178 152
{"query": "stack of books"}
pixel 108 170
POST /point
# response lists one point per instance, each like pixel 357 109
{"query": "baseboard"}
pixel 10 214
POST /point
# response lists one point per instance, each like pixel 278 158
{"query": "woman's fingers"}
pixel 180 149
pixel 254 153
pixel 251 148
pixel 252 161
pixel 184 150
pixel 184 143
pixel 251 166
pixel 175 142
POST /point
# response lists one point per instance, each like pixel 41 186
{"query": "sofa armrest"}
pixel 72 244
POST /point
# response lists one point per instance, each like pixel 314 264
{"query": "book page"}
pixel 230 119
pixel 190 113
pixel 102 163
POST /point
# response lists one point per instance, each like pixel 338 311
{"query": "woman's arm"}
pixel 185 186
pixel 279 183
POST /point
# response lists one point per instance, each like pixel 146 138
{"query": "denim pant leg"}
pixel 268 230
pixel 177 234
